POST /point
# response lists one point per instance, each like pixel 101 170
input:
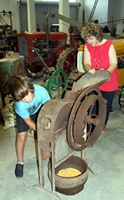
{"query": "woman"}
pixel 100 54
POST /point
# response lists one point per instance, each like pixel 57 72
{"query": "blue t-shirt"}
pixel 24 110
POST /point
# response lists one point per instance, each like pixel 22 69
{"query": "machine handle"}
pixel 47 123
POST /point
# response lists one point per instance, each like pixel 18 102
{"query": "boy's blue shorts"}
pixel 21 125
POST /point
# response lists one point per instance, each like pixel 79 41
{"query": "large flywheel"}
pixel 57 83
pixel 84 124
pixel 67 62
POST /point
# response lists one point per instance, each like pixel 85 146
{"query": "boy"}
pixel 29 99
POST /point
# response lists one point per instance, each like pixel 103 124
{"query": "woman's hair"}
pixel 19 87
pixel 92 30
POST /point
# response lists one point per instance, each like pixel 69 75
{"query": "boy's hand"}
pixel 30 123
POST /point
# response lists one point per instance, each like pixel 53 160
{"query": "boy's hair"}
pixel 92 30
pixel 19 87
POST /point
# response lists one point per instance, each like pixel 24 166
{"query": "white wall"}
pixel 4 6
pixel 101 11
pixel 11 5
pixel 116 12
pixel 51 1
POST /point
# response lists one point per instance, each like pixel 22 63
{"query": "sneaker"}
pixel 103 130
pixel 19 170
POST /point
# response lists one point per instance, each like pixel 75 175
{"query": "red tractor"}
pixel 32 43
pixel 42 50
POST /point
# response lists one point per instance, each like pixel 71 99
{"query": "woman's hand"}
pixel 92 71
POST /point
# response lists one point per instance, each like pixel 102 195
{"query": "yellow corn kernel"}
pixel 69 172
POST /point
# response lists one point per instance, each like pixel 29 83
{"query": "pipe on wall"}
pixel 53 3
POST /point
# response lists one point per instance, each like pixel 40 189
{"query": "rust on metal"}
pixel 19 69
pixel 73 126
pixel 71 185
pixel 81 116
pixel 4 82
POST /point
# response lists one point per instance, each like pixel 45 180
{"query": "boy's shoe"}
pixel 19 170
pixel 103 130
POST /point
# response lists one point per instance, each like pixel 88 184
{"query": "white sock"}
pixel 22 163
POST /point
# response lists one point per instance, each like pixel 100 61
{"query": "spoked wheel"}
pixel 19 69
pixel 57 83
pixel 85 126
pixel 4 82
pixel 67 62
pixel 35 71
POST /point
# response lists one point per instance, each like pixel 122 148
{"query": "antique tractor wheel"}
pixel 35 70
pixel 67 62
pixel 39 68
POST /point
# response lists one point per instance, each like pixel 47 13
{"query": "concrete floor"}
pixel 105 158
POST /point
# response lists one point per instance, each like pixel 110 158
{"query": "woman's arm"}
pixel 87 61
pixel 112 59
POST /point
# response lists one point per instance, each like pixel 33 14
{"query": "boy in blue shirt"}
pixel 29 99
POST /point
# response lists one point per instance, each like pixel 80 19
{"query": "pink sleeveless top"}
pixel 101 53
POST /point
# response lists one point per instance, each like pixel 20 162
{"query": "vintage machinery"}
pixel 119 47
pixel 121 101
pixel 6 28
pixel 68 131
pixel 57 53
pixel 53 50
pixel 66 61
pixel 56 85
pixel 9 67
pixel 34 65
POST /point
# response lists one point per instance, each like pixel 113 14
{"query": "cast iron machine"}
pixel 72 127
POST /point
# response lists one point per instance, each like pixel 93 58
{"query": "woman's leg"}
pixel 109 96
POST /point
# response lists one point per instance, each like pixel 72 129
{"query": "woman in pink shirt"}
pixel 100 54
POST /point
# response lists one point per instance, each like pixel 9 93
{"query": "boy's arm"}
pixel 30 123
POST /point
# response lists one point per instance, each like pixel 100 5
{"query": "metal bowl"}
pixel 70 185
